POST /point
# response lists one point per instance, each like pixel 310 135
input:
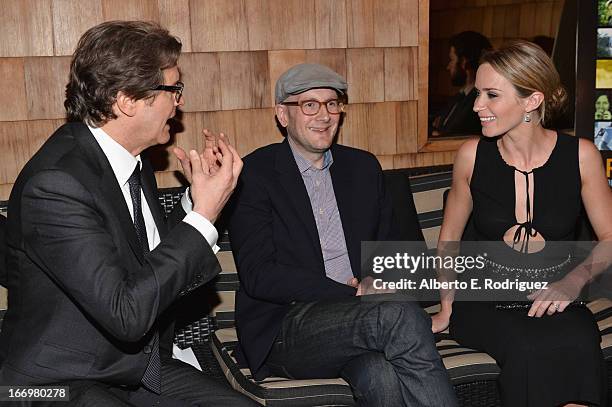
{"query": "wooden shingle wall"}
pixel 499 20
pixel 234 52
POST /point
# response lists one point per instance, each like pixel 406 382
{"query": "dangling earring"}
pixel 527 117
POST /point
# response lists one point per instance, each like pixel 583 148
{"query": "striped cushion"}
pixel 464 365
pixel 427 191
pixel 602 309
pixel 276 391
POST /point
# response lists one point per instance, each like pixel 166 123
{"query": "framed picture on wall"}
pixel 603 75
pixel 602 137
pixel 602 105
pixel 604 13
pixel 604 42
pixel 595 18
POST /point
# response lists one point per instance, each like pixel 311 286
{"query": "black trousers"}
pixel 182 386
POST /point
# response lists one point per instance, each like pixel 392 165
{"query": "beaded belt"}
pixel 530 273
pixel 504 271
pixel 524 305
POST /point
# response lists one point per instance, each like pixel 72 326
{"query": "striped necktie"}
pixel 152 376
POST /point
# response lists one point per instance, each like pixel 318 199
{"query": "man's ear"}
pixel 463 63
pixel 282 114
pixel 125 104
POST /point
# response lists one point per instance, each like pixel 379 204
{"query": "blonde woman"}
pixel 524 185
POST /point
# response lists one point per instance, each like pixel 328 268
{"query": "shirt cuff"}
pixel 186 202
pixel 185 355
pixel 203 226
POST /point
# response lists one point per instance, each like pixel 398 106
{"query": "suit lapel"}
pixel 109 188
pixel 292 182
pixel 342 181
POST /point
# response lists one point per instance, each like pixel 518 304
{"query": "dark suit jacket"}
pixel 275 240
pixel 459 116
pixel 83 300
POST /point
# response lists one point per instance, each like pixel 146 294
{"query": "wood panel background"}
pixel 234 50
pixel 499 20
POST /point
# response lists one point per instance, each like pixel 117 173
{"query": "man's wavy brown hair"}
pixel 126 56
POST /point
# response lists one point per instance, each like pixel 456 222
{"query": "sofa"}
pixel 418 203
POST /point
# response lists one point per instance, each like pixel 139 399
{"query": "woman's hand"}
pixel 440 321
pixel 556 297
pixel 366 287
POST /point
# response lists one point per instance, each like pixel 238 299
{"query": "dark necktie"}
pixel 151 379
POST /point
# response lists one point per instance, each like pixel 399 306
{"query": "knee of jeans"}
pixel 369 371
pixel 406 313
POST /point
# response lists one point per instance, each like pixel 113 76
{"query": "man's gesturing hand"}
pixel 210 154
pixel 210 190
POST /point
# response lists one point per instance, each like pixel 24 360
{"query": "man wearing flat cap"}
pixel 302 209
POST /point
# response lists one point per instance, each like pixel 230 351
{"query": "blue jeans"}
pixel 381 345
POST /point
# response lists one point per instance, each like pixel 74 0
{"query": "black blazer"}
pixel 275 240
pixel 83 300
pixel 463 119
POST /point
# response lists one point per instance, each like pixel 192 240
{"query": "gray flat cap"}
pixel 303 77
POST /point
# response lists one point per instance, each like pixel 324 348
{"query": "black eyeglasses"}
pixel 176 89
pixel 312 107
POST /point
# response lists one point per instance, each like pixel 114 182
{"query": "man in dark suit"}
pixel 93 268
pixel 458 116
pixel 302 209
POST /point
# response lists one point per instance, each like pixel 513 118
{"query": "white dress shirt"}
pixel 123 163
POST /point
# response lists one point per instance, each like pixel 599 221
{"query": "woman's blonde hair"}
pixel 529 70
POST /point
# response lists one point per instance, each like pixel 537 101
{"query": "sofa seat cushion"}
pixel 464 365
pixel 602 310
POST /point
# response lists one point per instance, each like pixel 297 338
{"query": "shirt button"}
pixel 147 349
pixel 320 211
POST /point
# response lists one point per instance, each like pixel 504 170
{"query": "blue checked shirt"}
pixel 320 190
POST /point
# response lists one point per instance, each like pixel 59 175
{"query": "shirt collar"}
pixel 304 164
pixel 467 89
pixel 121 161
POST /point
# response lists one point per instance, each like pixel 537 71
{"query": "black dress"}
pixel 547 361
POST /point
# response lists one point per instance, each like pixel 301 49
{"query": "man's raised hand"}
pixel 211 183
